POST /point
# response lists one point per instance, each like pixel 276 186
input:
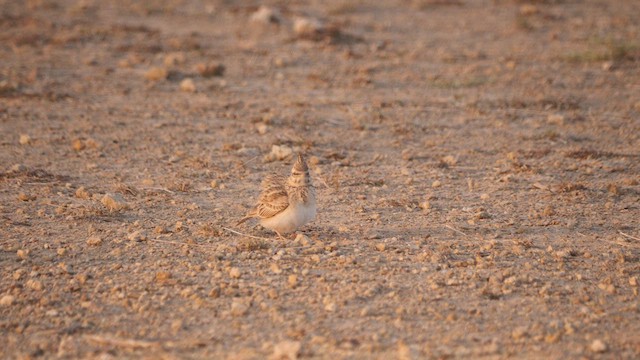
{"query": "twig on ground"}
pixel 542 187
pixel 323 181
pixel 176 242
pixel 616 242
pixel 110 340
pixel 244 163
pixel 247 235
pixel 609 241
pixel 629 236
pixel 456 230
pixel 367 163
pixel 158 189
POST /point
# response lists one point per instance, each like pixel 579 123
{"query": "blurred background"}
pixel 476 164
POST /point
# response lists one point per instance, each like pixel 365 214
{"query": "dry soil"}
pixel 477 165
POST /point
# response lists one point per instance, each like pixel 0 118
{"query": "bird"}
pixel 285 204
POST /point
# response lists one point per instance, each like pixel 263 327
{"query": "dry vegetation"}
pixel 477 166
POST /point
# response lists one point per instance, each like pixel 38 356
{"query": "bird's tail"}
pixel 244 219
pixel 250 214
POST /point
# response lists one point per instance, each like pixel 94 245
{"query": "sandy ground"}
pixel 477 165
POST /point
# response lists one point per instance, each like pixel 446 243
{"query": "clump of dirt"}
pixel 476 167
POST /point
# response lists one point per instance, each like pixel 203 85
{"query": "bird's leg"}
pixel 280 235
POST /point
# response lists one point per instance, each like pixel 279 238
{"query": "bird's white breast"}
pixel 291 218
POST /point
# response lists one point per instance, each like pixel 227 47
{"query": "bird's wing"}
pixel 274 198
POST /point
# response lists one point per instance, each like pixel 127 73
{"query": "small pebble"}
pixel 7 300
pixel 279 152
pixel 303 240
pixel 78 145
pixel 35 285
pixel 234 273
pixel 25 139
pixel 556 119
pixel 156 73
pixel 436 184
pixel 449 160
pixel 266 15
pixel 519 333
pixel 82 278
pixel 239 308
pixel 314 160
pixel 82 193
pixel 138 235
pixel 91 143
pixel 210 70
pixel 113 202
pixel 214 293
pixel 528 10
pixel 308 28
pixel 187 85
pixel 275 268
pixel 163 276
pixel 25 197
pixel 598 346
pixel 94 241
pixel 173 59
pixel 293 280
pixel 279 62
pixel 262 128
pixel 18 168
pixel 160 230
pixel 289 350
pixel 176 325
pixel 272 294
pixel 18 274
pixel 330 306
pixel 609 288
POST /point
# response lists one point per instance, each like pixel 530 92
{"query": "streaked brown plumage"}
pixel 285 204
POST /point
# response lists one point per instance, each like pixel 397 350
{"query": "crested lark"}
pixel 285 204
